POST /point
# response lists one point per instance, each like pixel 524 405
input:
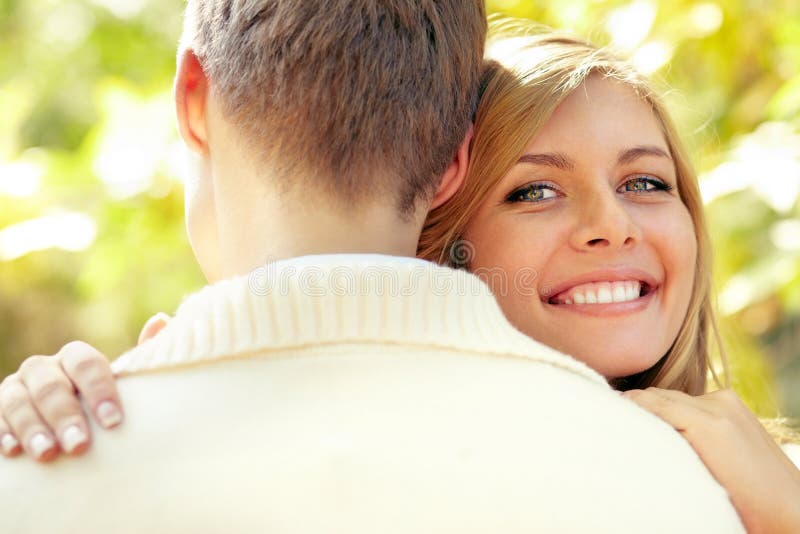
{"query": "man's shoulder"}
pixel 363 431
pixel 792 450
pixel 328 300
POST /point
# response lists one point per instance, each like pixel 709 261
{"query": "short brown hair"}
pixel 346 90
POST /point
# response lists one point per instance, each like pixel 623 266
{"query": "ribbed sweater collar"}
pixel 336 299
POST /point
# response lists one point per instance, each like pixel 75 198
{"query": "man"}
pixel 330 382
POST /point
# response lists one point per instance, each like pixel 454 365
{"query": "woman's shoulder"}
pixel 792 450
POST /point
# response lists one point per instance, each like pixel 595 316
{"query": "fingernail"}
pixel 109 414
pixel 8 443
pixel 40 444
pixel 72 438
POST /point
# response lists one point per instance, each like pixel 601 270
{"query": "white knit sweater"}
pixel 365 394
pixel 333 299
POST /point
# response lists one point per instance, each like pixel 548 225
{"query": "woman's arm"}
pixel 762 481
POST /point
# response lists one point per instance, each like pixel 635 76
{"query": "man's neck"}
pixel 259 230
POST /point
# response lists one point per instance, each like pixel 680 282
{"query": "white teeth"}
pixel 604 293
pixel 632 290
pixel 620 292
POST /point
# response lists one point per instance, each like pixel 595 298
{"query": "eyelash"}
pixel 657 184
pixel 516 195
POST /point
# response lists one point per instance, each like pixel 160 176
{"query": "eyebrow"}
pixel 632 154
pixel 561 161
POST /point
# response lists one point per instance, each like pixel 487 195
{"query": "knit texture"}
pixel 336 299
pixel 343 299
pixel 365 394
pixel 792 450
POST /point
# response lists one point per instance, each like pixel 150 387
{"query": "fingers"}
pixel 726 401
pixel 9 444
pixel 55 399
pixel 40 407
pixel 677 408
pixel 91 375
pixel 153 326
pixel 25 422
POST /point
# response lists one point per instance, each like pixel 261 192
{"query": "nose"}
pixel 604 224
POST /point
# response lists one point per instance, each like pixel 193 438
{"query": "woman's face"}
pixel 596 248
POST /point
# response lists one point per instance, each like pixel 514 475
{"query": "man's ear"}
pixel 191 92
pixel 456 172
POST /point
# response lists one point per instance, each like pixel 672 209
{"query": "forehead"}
pixel 601 114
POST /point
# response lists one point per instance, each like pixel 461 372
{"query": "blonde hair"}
pixel 519 93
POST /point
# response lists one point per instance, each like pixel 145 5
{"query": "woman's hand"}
pixel 762 482
pixel 39 408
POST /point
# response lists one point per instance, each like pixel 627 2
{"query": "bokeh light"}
pixel 91 224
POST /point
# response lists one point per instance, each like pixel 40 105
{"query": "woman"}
pixel 577 173
pixel 662 214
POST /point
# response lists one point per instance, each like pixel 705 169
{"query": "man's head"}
pixel 362 100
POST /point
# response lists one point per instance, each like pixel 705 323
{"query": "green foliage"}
pixel 87 129
pixel 88 149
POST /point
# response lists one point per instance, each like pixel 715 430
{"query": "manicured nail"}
pixel 8 443
pixel 72 438
pixel 109 414
pixel 40 444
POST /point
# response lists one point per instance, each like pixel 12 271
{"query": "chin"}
pixel 616 364
pixel 617 357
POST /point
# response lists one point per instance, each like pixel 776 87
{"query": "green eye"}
pixel 645 184
pixel 532 193
pixel 637 185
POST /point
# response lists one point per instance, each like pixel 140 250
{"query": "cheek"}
pixel 675 243
pixel 509 254
pixel 686 251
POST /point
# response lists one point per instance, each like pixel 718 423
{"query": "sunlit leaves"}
pixel 86 132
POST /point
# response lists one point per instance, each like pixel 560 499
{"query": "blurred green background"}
pixel 91 229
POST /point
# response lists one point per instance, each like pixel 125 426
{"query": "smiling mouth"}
pixel 602 293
